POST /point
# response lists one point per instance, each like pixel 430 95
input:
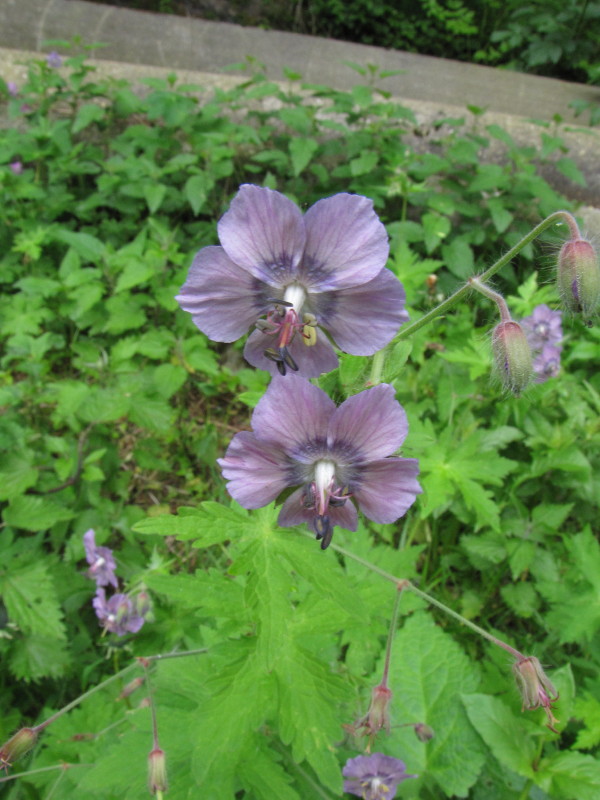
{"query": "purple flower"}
pixel 101 561
pixel 333 454
pixel 13 89
pixel 16 167
pixel 546 363
pixel 321 271
pixel 117 614
pixel 543 327
pixel 374 777
pixel 53 60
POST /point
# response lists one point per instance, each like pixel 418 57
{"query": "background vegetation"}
pixel 114 408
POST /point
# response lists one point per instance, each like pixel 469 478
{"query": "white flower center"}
pixel 296 295
pixel 324 475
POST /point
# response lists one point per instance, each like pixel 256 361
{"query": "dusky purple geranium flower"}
pixel 13 89
pixel 543 327
pixel 546 364
pixel 374 777
pixel 334 455
pixel 53 60
pixel 117 614
pixel 294 276
pixel 101 561
pixel 16 167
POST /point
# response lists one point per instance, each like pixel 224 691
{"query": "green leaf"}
pixel 30 599
pixel 364 163
pixel 136 272
pixel 428 673
pixel 504 733
pixel 500 215
pixel 154 194
pixel 574 776
pixel 458 256
pixel 87 246
pixel 86 114
pixel 207 525
pixel 36 657
pixel 34 513
pixel 301 152
pixel 17 475
pixel 435 228
pixel 196 190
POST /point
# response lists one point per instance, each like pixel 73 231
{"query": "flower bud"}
pixel 17 746
pixel 512 355
pixel 423 732
pixel 535 687
pixel 579 277
pixel 130 688
pixel 157 771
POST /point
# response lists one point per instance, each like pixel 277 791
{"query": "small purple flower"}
pixel 16 167
pixel 117 614
pixel 543 327
pixel 333 454
pixel 101 561
pixel 305 274
pixel 546 364
pixel 374 777
pixel 53 60
pixel 13 89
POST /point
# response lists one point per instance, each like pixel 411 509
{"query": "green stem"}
pixel 376 368
pixel 403 583
pixel 116 676
pixel 558 216
pixel 391 633
pixel 525 791
pixel 16 775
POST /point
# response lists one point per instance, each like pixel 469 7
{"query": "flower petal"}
pixel 371 424
pixel 294 513
pixel 292 413
pixel 388 488
pixel 346 243
pixel 363 319
pixel 256 470
pixel 223 299
pixel 311 361
pixel 264 233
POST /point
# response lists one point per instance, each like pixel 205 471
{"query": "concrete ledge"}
pixel 178 43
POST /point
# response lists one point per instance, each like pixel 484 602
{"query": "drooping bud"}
pixel 578 277
pixel 423 732
pixel 157 771
pixel 512 355
pixel 130 688
pixel 535 687
pixel 377 716
pixel 17 746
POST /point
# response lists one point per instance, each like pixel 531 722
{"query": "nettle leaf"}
pixel 428 673
pixel 301 152
pixel 17 475
pixel 87 246
pixel 36 657
pixel 31 601
pixel 34 513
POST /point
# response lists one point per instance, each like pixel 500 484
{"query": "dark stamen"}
pixel 281 368
pixel 327 538
pixel 337 502
pixel 278 302
pixel 321 524
pixel 271 354
pixel 287 359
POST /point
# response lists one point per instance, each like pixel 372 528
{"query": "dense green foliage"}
pixel 115 408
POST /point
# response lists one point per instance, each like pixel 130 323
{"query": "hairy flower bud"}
pixel 157 771
pixel 423 732
pixel 535 687
pixel 17 746
pixel 512 355
pixel 579 277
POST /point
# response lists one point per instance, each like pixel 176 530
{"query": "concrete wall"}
pixel 140 37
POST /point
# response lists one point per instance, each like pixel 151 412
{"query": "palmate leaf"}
pixel 427 676
pixel 573 776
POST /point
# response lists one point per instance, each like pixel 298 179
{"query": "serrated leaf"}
pixel 16 476
pixel 86 114
pixel 428 674
pixel 261 773
pixel 34 513
pixel 154 194
pixel 574 776
pixel 30 599
pixel 37 656
pixel 504 733
pixel 87 246
pixel 209 524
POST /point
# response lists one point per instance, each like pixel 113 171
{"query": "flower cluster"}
pixel 119 613
pixel 374 777
pixel 543 329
